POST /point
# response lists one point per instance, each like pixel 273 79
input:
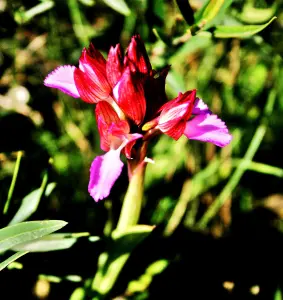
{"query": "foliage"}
pixel 203 207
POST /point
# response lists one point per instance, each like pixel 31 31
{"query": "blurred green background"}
pixel 239 77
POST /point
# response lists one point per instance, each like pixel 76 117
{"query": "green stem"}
pixel 13 183
pixel 110 265
pixel 132 204
pixel 77 22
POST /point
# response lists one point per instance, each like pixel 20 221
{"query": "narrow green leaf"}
pixel 23 17
pixel 211 13
pixel 88 2
pixel 79 23
pixel 278 295
pixel 244 31
pixel 12 258
pixel 138 230
pixel 78 294
pixel 111 263
pixel 13 235
pixel 119 5
pixel 252 15
pixel 52 242
pixel 14 179
pixel 30 203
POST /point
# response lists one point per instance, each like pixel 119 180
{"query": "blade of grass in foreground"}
pixel 13 183
pixel 243 165
pixel 13 235
pixel 12 258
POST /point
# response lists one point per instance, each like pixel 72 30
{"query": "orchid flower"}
pixel 131 104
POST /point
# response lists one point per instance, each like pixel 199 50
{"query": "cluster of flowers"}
pixel 131 107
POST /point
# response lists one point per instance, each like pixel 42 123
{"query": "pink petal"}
pixel 93 53
pixel 93 64
pixel 104 171
pixel 208 128
pixel 62 78
pixel 111 129
pixel 131 140
pixel 200 107
pixel 114 65
pixel 136 56
pixel 175 113
pixel 106 112
pixel 129 94
pixel 173 129
pixel 89 89
pixel 90 78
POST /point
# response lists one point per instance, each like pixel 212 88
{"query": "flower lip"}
pixel 104 171
pixel 207 127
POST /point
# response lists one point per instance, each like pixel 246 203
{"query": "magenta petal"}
pixel 62 78
pixel 104 171
pixel 208 128
pixel 200 108
pixel 131 140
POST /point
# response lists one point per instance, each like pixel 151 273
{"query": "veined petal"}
pixel 90 91
pixel 131 140
pixel 175 113
pixel 188 98
pixel 90 78
pixel 103 134
pixel 107 112
pixel 114 65
pixel 200 107
pixel 173 129
pixel 96 55
pixel 104 171
pixel 136 57
pixel 208 128
pixel 62 78
pixel 129 94
pixel 92 58
pixel 111 128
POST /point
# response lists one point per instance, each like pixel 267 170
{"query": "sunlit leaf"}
pixel 52 242
pixel 78 294
pixel 252 15
pixel 211 13
pixel 22 17
pixel 13 235
pixel 112 262
pixel 142 283
pixel 244 31
pixel 87 2
pixel 12 258
pixel 30 203
pixel 278 295
pixel 119 5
